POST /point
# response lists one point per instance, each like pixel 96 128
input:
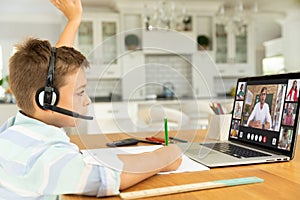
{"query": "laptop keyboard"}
pixel 234 150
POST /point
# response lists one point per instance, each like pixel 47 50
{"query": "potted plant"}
pixel 5 92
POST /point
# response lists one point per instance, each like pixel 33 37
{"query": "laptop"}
pixel 264 124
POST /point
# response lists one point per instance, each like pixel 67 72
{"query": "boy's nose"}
pixel 88 100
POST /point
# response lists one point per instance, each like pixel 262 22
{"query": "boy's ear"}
pixel 50 98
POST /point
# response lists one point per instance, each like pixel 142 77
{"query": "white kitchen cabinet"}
pixel 97 40
pixel 234 53
pixel 132 117
pixel 291 41
pixel 273 47
pixel 113 71
pixel 96 72
pixel 134 76
pixel 112 117
pixel 203 71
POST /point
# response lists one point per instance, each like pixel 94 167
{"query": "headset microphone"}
pixel 66 112
pixel 48 96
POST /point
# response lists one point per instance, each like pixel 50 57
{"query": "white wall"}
pixel 291 41
pixel 265 29
pixel 15 32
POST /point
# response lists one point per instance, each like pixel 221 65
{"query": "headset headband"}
pixel 49 88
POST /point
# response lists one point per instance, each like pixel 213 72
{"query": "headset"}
pixel 48 96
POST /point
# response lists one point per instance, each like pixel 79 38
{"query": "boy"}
pixel 37 160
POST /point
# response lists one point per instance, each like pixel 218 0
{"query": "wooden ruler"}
pixel 189 187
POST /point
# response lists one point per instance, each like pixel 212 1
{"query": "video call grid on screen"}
pixel 264 112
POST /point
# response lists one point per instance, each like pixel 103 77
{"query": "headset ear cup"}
pixel 55 97
pixel 39 97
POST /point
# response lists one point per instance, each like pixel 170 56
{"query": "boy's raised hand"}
pixel 72 9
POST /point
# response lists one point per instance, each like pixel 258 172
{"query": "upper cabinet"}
pixel 231 47
pixel 85 41
pixel 234 50
pixel 97 40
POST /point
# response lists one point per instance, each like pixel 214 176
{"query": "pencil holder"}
pixel 219 126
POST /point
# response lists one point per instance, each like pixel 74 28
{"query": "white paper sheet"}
pixel 105 156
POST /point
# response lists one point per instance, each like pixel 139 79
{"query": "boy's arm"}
pixel 138 167
pixel 72 9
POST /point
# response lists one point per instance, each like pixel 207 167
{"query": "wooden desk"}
pixel 281 180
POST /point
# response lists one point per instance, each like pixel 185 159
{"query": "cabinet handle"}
pixel 113 111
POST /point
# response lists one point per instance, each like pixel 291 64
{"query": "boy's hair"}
pixel 28 69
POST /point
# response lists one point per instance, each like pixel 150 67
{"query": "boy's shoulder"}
pixel 7 124
pixel 32 128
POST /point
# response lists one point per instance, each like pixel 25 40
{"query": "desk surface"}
pixel 281 180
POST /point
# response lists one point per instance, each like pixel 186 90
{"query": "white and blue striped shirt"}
pixel 38 161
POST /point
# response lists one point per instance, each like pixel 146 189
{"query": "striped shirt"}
pixel 38 161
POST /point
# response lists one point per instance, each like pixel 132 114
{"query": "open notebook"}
pixel 106 157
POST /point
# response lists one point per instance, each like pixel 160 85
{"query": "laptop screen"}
pixel 265 111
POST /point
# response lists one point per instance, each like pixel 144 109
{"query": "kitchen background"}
pixel 145 50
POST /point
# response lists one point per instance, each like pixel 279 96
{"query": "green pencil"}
pixel 166 132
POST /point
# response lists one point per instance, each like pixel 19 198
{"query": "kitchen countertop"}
pixel 5 103
pixel 108 99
